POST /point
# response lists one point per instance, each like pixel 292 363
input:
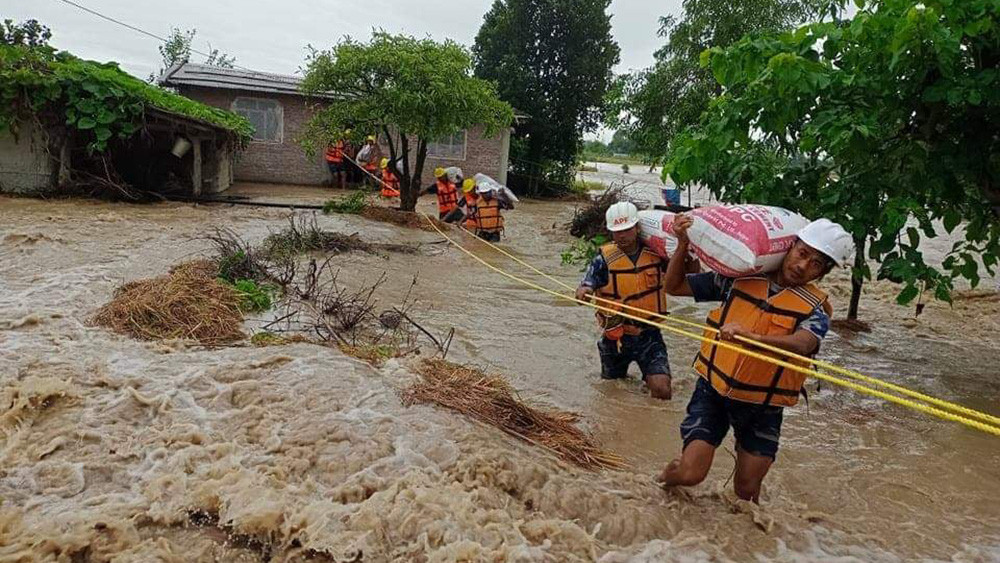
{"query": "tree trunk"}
pixel 411 187
pixel 404 180
pixel 856 280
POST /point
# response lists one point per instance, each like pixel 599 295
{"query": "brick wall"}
pixel 281 163
pixel 286 162
pixel 482 155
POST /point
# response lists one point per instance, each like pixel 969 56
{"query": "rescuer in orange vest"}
pixel 335 162
pixel 784 309
pixel 627 272
pixel 390 181
pixel 447 192
pixel 487 217
pixel 369 158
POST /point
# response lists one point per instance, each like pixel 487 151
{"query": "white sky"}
pixel 272 36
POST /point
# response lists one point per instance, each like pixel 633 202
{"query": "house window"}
pixel 451 147
pixel 265 115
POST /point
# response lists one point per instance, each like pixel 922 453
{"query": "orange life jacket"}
pixel 390 184
pixel 488 217
pixel 470 211
pixel 740 377
pixel 335 153
pixel 447 197
pixel 637 284
pixel 371 164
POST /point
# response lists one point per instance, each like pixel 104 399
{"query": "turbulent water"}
pixel 117 450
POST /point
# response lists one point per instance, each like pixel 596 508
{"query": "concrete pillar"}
pixel 64 163
pixel 504 155
pixel 196 166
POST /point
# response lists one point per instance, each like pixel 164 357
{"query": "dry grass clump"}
pixel 406 219
pixel 188 303
pixel 491 399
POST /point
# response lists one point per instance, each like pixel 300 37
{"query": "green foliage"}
pixel 98 101
pixel 177 49
pixel 266 338
pixel 582 252
pixel 654 105
pixel 621 143
pixel 352 204
pixel 254 297
pixel 551 59
pixel 584 187
pixel 231 265
pixel 886 124
pixel 409 90
pixel 29 33
pixel 596 147
pixel 631 161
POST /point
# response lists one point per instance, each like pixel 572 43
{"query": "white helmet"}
pixel 831 239
pixel 621 216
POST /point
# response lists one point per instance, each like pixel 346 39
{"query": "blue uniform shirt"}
pixel 597 273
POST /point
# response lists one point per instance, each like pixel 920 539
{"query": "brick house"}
pixel 279 112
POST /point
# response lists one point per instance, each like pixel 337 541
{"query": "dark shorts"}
pixel 757 428
pixel 490 236
pixel 646 349
pixel 335 167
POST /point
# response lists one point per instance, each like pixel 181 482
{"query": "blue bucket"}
pixel 671 196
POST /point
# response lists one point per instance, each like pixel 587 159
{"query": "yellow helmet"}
pixel 371 138
pixel 468 185
pixel 438 172
pixel 384 163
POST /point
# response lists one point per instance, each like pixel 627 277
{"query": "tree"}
pixel 29 33
pixel 656 104
pixel 621 143
pixel 551 59
pixel 411 91
pixel 886 123
pixel 177 49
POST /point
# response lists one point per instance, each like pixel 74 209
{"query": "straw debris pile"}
pixel 588 219
pixel 491 399
pixel 188 303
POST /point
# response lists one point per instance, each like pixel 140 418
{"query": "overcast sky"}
pixel 272 36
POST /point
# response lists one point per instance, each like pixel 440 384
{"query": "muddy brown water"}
pixel 116 449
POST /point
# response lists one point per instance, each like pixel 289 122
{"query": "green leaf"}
pixel 106 117
pixel 951 220
pixel 913 236
pixel 942 293
pixel 86 122
pixel 908 294
pixel 102 133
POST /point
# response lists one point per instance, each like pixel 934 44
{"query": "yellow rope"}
pixel 826 365
pixel 988 428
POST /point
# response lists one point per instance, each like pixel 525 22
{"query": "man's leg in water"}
pixel 650 352
pixel 757 429
pixel 702 430
pixel 691 468
pixel 750 472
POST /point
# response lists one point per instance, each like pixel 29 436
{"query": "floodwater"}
pixel 117 450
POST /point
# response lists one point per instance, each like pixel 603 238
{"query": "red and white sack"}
pixel 656 231
pixel 733 240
